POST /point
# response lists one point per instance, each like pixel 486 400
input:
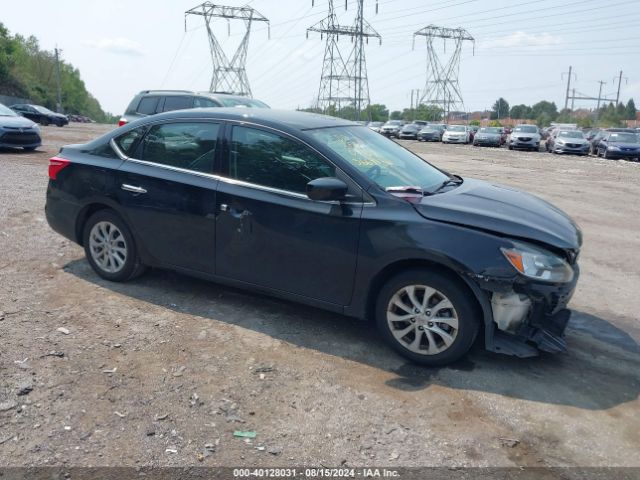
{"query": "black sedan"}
pixel 17 131
pixel 619 145
pixel 40 114
pixel 490 136
pixel 325 212
pixel 430 134
pixel 410 131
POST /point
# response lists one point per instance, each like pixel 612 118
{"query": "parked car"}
pixel 616 145
pixel 525 137
pixel 568 141
pixel 491 136
pixel 40 114
pixel 410 131
pixel 371 230
pixel 595 141
pixel 456 134
pixel 150 102
pixel 430 133
pixel 392 128
pixel 17 131
pixel 375 126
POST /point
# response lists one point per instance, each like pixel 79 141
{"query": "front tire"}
pixel 427 317
pixel 44 122
pixel 110 248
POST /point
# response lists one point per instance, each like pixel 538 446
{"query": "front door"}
pixel 269 233
pixel 169 193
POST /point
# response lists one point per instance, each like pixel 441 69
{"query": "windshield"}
pixel 42 109
pixel 623 137
pixel 457 128
pixel 571 134
pixel 382 160
pixel 411 127
pixel 7 112
pixel 375 124
pixel 526 129
pixel 394 122
pixel 242 102
pixel 489 130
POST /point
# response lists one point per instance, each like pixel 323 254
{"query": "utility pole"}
pixel 344 77
pixel 229 76
pixel 566 98
pixel 573 98
pixel 59 96
pixel 619 84
pixel 600 92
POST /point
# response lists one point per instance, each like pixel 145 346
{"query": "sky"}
pixel 522 47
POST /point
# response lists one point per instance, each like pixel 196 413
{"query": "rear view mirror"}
pixel 326 189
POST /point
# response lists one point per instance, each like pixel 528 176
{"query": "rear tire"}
pixel 110 248
pixel 420 337
pixel 29 149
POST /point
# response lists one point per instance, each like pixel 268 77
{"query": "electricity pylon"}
pixel 228 75
pixel 442 87
pixel 343 81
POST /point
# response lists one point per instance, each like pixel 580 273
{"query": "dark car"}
pixel 616 145
pixel 324 212
pixel 150 102
pixel 17 131
pixel 595 140
pixel 40 114
pixel 410 131
pixel 491 136
pixel 430 133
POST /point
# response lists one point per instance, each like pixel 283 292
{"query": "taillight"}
pixel 122 122
pixel 56 164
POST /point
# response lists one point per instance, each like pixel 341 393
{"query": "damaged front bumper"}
pixel 526 317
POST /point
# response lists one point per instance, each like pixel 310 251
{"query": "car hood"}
pixel 573 140
pixel 625 145
pixel 17 122
pixel 454 133
pixel 503 210
pixel 482 135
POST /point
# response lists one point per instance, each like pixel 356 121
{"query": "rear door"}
pixel 169 193
pixel 269 233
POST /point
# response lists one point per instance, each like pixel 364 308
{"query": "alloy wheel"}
pixel 108 247
pixel 422 319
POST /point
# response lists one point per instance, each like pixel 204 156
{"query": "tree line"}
pixel 28 71
pixel 544 112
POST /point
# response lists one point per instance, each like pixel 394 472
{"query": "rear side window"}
pixel 177 103
pixel 264 158
pixel 148 105
pixel 191 146
pixel 201 102
pixel 128 142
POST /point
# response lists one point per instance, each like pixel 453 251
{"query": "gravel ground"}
pixel 162 370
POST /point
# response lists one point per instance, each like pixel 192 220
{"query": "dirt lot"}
pixel 162 370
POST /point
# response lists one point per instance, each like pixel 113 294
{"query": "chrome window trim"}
pixel 234 181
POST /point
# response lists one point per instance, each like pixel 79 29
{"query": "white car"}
pixel 456 134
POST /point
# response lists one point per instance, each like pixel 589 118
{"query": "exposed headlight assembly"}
pixel 538 264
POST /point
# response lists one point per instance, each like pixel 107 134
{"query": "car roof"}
pixel 294 120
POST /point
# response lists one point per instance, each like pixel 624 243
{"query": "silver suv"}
pixel 526 137
pixel 150 102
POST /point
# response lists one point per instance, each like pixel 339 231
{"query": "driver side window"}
pixel 265 158
pixel 191 146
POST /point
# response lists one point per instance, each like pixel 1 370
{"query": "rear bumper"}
pixel 61 214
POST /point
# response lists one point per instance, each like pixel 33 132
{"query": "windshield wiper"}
pixel 453 180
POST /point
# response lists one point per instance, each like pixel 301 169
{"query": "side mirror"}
pixel 326 189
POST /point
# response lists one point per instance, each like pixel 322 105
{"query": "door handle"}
pixel 132 188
